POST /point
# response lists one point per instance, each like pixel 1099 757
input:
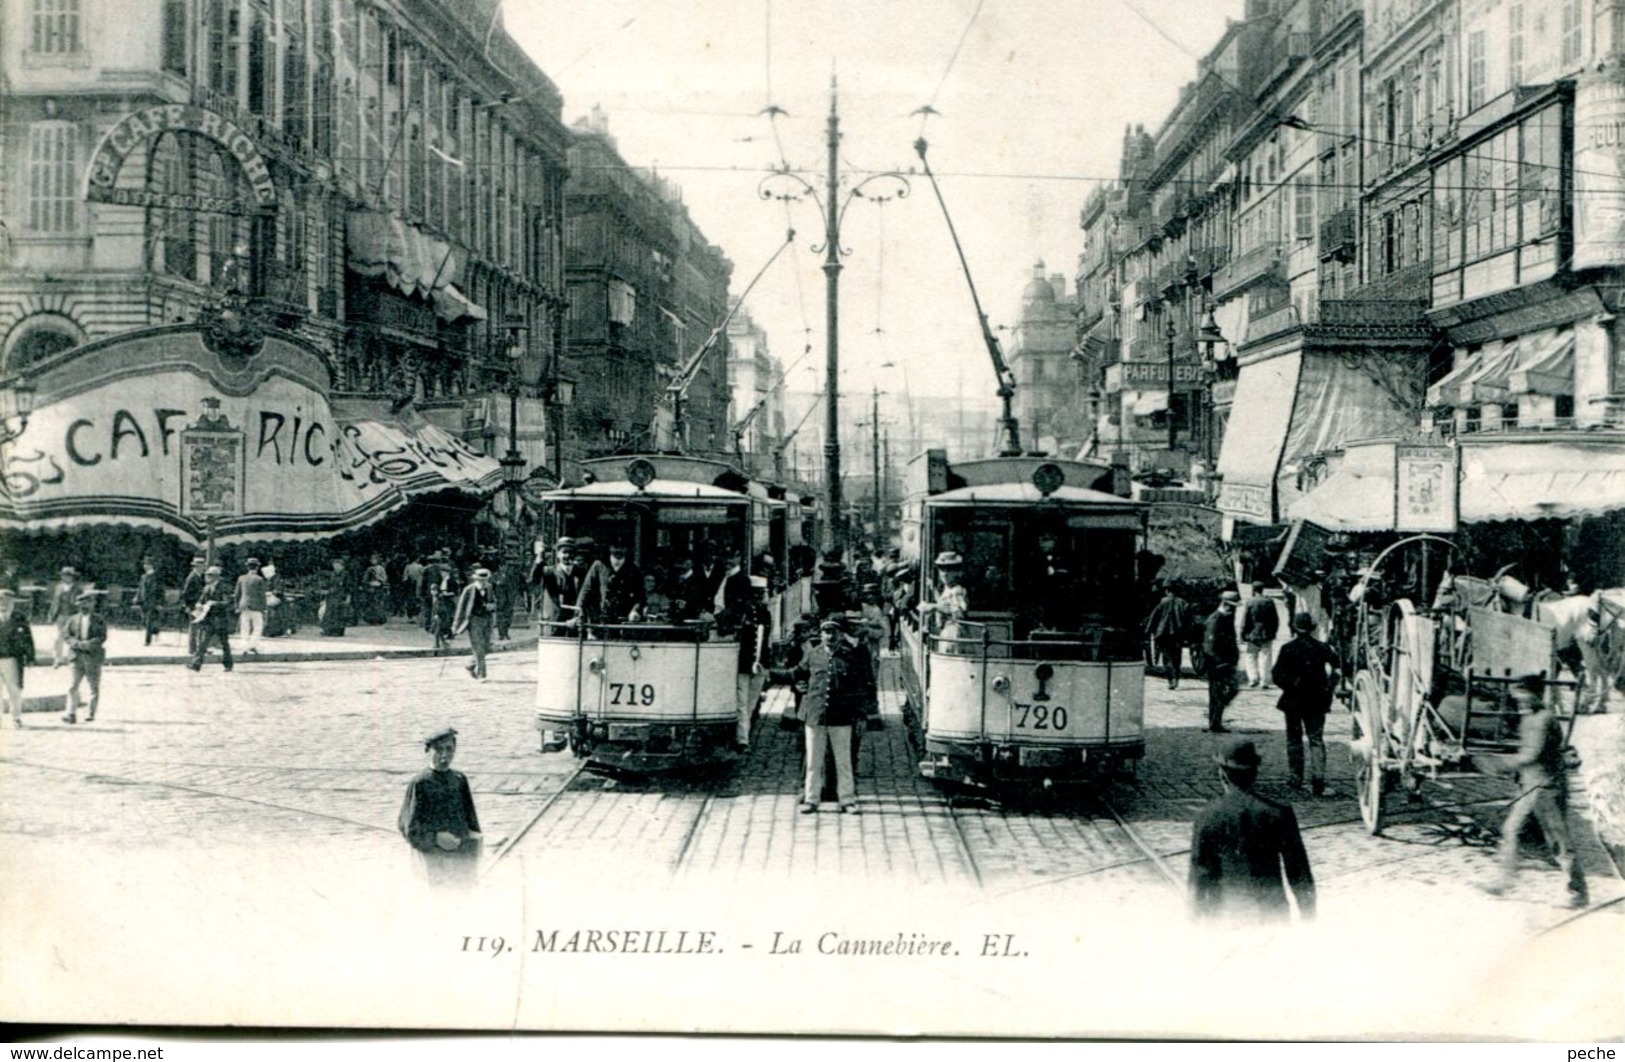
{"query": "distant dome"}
pixel 1038 289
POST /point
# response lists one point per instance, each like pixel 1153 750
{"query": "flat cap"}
pixel 830 624
pixel 443 734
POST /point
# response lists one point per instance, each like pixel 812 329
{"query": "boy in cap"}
pixel 1543 791
pixel 16 653
pixel 437 815
pixel 1242 846
pixel 87 641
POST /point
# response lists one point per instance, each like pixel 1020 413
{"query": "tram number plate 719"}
pixel 631 694
pixel 1040 717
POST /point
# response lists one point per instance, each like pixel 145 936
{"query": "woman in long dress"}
pixel 335 608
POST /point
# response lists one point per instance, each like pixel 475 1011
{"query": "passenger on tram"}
pixel 657 607
pixel 944 614
pixel 732 601
pixel 559 586
pixel 613 592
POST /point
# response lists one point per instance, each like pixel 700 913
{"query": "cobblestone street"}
pixel 285 777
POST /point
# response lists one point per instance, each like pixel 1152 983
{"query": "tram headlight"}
pixel 1001 684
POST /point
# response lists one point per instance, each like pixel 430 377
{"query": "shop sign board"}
pixel 1426 491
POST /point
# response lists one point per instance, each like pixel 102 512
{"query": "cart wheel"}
pixel 1366 749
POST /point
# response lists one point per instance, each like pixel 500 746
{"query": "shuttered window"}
pixel 53 169
pixel 56 27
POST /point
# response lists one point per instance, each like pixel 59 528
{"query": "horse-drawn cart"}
pixel 1431 687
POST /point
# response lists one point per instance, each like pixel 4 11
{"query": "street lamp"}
pixel 833 208
pixel 1169 332
pixel 513 462
pixel 1208 337
pixel 18 404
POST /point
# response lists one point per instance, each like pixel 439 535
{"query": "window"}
pixel 53 180
pixel 1476 69
pixel 1573 32
pixel 1515 42
pixel 1303 209
pixel 56 27
pixel 225 41
pixel 174 47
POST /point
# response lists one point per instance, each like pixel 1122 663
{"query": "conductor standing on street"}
pixel 1543 791
pixel 1243 846
pixel 437 816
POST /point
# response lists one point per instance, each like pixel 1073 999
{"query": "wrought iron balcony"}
pixel 1246 269
pixel 1338 235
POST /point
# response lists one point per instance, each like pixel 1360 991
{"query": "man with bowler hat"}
pixel 1543 791
pixel 16 653
pixel 87 641
pixel 1306 670
pixel 1243 845
pixel 437 815
pixel 1219 643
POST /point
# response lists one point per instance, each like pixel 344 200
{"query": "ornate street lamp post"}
pixel 1208 337
pixel 510 504
pixel 18 399
pixel 833 208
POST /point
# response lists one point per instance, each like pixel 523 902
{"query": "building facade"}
pixel 1048 402
pixel 377 187
pixel 757 410
pixel 647 345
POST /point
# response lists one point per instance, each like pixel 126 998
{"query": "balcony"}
pixel 1246 269
pixel 1338 235
pixel 1370 322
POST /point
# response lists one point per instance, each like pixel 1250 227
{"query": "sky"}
pixel 1032 100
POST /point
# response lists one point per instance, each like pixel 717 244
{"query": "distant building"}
pixel 1048 402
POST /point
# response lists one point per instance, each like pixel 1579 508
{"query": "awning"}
pixel 1539 479
pixel 1524 479
pixel 1550 371
pixel 1257 431
pixel 1481 377
pixel 413 456
pixel 1357 496
pixel 379 244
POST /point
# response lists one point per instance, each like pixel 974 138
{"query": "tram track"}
pixel 513 842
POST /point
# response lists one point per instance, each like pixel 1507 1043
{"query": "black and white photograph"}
pixel 946 519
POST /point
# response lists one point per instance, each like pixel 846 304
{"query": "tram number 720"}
pixel 631 694
pixel 1040 717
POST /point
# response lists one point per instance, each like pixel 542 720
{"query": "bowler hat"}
pixel 1303 623
pixel 1239 755
pixel 950 559
pixel 438 736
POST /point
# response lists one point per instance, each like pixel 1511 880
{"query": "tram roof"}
pixel 669 489
pixel 1027 494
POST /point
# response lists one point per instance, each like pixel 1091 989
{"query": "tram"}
pixel 1036 674
pixel 658 695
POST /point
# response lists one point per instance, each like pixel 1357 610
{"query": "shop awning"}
pixel 1538 479
pixel 452 305
pixel 379 244
pixel 1358 496
pixel 1257 431
pixel 414 456
pixel 1525 479
pixel 1550 371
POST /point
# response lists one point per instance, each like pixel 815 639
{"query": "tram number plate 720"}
pixel 1040 717
pixel 631 694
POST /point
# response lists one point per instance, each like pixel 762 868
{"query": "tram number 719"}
pixel 1040 717
pixel 630 694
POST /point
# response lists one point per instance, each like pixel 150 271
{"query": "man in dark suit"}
pixel 475 606
pixel 1242 845
pixel 1219 643
pixel 1306 671
pixel 733 599
pixel 149 597
pixel 211 619
pixel 613 592
pixel 828 713
pixel 558 586
pixel 16 653
pixel 191 587
pixel 87 641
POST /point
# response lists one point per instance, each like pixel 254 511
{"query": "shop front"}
pixel 213 438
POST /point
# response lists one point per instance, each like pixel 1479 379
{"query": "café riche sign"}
pixel 157 429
